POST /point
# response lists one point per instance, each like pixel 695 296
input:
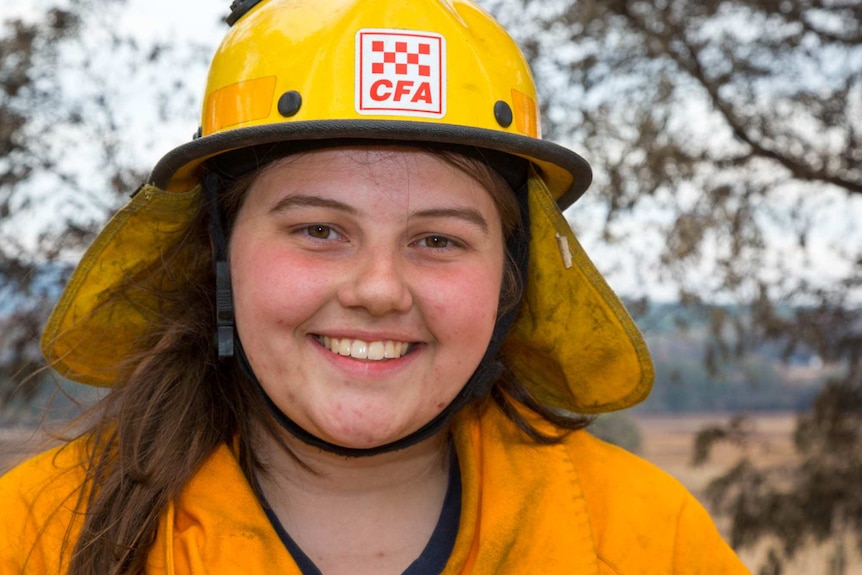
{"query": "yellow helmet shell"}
pixel 428 70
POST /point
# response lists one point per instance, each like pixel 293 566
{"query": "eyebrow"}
pixel 302 201
pixel 466 214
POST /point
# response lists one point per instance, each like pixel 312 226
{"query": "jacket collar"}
pixel 523 511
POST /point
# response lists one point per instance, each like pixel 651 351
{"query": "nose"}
pixel 377 284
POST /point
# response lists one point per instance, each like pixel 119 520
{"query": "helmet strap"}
pixel 224 295
pixel 482 379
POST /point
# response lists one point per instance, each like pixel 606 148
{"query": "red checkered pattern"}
pixel 400 60
pixel 400 72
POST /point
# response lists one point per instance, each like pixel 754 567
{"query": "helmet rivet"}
pixel 503 113
pixel 289 103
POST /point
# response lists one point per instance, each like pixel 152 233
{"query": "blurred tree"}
pixel 725 136
pixel 29 56
pixel 70 149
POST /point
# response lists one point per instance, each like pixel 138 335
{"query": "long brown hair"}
pixel 176 402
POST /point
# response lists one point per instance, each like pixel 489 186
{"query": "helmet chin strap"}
pixel 476 387
pixel 228 343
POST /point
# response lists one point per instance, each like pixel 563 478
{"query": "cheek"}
pixel 462 323
pixel 466 306
pixel 270 286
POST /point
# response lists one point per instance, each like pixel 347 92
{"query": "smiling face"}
pixel 365 284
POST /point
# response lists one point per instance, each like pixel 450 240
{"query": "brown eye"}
pixel 320 232
pixel 437 242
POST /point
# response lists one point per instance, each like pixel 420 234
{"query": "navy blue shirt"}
pixel 433 558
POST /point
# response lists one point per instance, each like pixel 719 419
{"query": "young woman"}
pixel 347 330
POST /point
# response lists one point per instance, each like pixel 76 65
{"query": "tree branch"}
pixel 690 63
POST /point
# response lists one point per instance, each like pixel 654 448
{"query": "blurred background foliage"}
pixel 725 139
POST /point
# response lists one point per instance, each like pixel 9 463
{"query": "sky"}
pixel 200 23
pixel 143 138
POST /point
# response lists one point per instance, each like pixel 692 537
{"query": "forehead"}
pixel 414 173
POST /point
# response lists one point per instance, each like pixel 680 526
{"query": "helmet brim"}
pixel 566 173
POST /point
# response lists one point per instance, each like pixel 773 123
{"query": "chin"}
pixel 366 435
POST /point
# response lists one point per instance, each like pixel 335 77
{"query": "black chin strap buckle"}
pixel 224 311
pixel 224 336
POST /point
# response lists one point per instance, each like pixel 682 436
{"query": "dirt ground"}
pixel 667 442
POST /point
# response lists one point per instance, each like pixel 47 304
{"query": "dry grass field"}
pixel 667 442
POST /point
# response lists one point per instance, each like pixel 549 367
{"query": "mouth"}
pixel 369 350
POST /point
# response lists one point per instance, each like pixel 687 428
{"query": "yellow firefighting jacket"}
pixel 581 507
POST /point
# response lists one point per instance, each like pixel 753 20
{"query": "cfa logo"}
pixel 400 72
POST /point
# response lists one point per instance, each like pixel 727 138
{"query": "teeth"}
pixel 376 350
pixel 342 346
pixel 356 348
pixel 389 349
